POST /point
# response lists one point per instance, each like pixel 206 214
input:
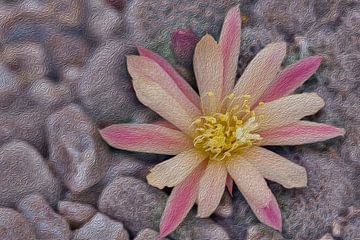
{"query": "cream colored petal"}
pixel 288 109
pixel 171 172
pixel 255 190
pixel 208 68
pixel 261 71
pixel 277 168
pixel 156 90
pixel 212 185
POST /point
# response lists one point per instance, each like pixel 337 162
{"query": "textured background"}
pixel 63 75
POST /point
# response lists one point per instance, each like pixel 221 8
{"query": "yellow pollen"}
pixel 210 93
pixel 261 104
pixel 222 135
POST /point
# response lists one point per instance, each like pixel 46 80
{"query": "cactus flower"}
pixel 218 134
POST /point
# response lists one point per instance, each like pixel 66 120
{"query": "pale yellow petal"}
pixel 171 172
pixel 277 168
pixel 261 71
pixel 212 185
pixel 255 190
pixel 288 109
pixel 156 90
pixel 208 68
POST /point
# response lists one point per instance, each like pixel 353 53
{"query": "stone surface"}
pixel 47 224
pixel 104 21
pixel 27 59
pixel 148 234
pixel 105 88
pixel 76 214
pixel 13 226
pixel 101 227
pixel 10 86
pixel 48 94
pixel 77 152
pixel 55 52
pixel 139 205
pixel 225 208
pixel 24 171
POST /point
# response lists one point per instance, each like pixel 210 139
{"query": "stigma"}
pixel 223 135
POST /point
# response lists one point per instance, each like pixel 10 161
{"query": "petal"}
pixel 173 171
pixel 229 184
pixel 164 123
pixel 277 168
pixel 156 90
pixel 230 46
pixel 288 109
pixel 291 78
pixel 256 192
pixel 208 68
pixel 148 138
pixel 184 86
pixel 261 71
pixel 301 132
pixel 211 188
pixel 181 200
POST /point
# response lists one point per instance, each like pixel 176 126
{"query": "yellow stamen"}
pixel 210 93
pixel 222 135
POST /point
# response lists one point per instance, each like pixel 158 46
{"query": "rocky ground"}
pixel 63 76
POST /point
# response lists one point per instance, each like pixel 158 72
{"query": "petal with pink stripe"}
pixel 255 190
pixel 181 200
pixel 148 138
pixel 291 78
pixel 230 46
pixel 188 91
pixel 156 90
pixel 301 132
pixel 229 184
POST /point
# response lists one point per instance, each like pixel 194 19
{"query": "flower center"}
pixel 222 135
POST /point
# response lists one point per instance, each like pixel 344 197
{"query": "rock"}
pixel 88 196
pixel 225 208
pixel 301 18
pixel 125 165
pixel 10 87
pixel 105 88
pixel 327 237
pixel 104 21
pixel 133 202
pixel 259 231
pixel 67 12
pixel 77 152
pixel 27 59
pixel 23 171
pixel 47 224
pixel 138 206
pixel 101 227
pixel 68 50
pixel 13 226
pixel 25 122
pixel 77 214
pixel 117 4
pixel 148 234
pixel 48 94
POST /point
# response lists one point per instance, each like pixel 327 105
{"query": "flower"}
pixel 217 136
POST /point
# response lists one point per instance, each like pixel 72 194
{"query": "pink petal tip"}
pixel 271 215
